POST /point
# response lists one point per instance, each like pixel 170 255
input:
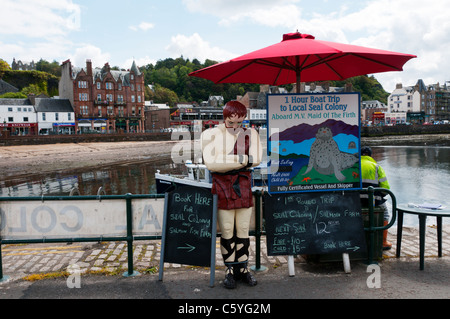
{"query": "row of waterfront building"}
pixel 104 100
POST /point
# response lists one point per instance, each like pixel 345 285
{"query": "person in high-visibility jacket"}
pixel 373 174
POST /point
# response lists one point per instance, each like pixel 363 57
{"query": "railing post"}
pixel 2 278
pixel 258 266
pixel 130 271
pixel 1 266
pixel 371 230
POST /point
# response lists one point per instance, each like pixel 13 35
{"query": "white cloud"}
pixel 278 16
pixel 32 30
pixel 39 19
pixel 139 62
pixel 89 51
pixel 264 12
pixel 195 47
pixel 408 26
pixel 230 7
pixel 34 51
pixel 143 26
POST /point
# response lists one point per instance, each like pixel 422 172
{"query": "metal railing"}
pixel 130 237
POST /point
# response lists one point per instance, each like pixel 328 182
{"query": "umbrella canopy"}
pixel 299 57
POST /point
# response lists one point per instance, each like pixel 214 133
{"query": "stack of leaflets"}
pixel 427 206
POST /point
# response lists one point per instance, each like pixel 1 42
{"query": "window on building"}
pixel 83 96
pixel 69 116
pixel 99 111
pixel 84 110
pixel 43 117
pixel 99 85
pixel 25 119
pixel 133 98
pixel 10 119
pixel 10 109
pixel 82 84
pixel 57 116
pixel 110 110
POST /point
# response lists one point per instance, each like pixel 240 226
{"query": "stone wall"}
pixel 88 138
pixel 83 138
pixel 404 130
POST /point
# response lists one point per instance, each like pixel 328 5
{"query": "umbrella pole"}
pixel 298 84
pixel 298 75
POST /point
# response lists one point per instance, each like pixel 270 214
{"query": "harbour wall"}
pixel 366 132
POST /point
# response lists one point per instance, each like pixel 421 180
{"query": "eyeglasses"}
pixel 233 123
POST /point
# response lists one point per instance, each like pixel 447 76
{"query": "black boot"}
pixel 229 281
pixel 227 247
pixel 241 273
pixel 228 254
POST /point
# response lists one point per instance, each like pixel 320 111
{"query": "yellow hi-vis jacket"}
pixel 373 175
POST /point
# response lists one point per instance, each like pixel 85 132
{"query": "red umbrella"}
pixel 299 57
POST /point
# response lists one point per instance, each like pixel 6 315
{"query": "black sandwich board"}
pixel 189 228
pixel 314 223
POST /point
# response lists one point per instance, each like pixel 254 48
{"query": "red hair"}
pixel 234 107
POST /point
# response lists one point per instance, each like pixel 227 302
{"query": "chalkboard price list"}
pixel 313 223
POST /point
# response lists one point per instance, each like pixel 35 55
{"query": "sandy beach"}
pixel 32 159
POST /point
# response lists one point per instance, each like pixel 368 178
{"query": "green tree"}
pixel 13 95
pixel 369 87
pixel 34 89
pixel 4 66
pixel 161 94
pixel 173 74
pixel 53 68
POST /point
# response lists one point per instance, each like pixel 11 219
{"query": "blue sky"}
pixel 147 31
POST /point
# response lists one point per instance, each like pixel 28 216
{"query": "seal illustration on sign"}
pixel 326 158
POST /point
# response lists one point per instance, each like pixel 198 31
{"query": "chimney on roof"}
pixel 32 98
pixel 89 67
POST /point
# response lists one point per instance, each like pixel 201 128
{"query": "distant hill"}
pixel 368 86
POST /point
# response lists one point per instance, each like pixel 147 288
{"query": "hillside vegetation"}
pixel 171 82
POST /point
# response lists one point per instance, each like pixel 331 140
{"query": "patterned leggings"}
pixel 234 225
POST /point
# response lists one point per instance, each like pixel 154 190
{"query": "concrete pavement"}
pixel 97 268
